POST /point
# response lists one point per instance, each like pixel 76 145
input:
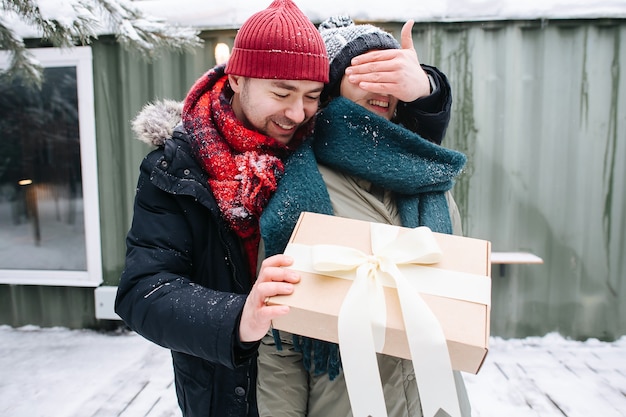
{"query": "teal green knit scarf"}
pixel 355 141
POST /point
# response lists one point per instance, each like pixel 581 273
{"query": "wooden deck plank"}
pixel 166 407
pixel 556 383
pixel 515 258
pixel 84 374
pixel 143 389
pixel 151 400
pixel 158 397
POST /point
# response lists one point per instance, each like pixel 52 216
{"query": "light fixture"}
pixel 222 53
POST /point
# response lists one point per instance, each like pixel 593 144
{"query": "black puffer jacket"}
pixel 186 277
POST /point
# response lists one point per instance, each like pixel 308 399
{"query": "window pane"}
pixel 41 205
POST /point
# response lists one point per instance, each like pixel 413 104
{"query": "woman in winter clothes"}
pixel 375 156
pixel 190 282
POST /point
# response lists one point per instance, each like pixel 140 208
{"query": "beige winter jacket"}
pixel 305 395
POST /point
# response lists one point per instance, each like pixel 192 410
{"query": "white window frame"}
pixel 81 58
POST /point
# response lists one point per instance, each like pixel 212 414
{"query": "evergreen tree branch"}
pixel 149 36
pixel 23 64
pixel 60 33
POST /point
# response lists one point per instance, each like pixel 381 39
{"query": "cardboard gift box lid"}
pixel 317 299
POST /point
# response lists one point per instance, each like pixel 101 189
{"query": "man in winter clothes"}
pixel 375 156
pixel 191 281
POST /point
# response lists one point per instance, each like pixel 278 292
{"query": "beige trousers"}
pixel 286 389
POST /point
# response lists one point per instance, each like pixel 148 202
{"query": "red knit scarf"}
pixel 243 165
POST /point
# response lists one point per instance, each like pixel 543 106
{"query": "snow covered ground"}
pixel 57 372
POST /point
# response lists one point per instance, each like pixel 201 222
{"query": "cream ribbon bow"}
pixel 362 319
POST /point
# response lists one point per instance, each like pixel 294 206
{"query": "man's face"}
pixel 276 108
pixel 382 104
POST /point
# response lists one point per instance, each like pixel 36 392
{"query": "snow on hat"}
pixel 344 40
pixel 279 42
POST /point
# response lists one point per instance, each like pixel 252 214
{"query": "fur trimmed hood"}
pixel 156 121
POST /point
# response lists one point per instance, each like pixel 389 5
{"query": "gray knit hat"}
pixel 344 40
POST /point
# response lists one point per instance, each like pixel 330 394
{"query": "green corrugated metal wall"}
pixel 123 85
pixel 540 109
pixel 536 109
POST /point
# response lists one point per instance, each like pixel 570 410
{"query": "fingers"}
pixel 272 269
pixel 278 260
pixel 372 60
pixel 396 72
pixel 406 36
pixel 377 71
pixel 265 290
pixel 273 280
pixel 257 315
pixel 378 75
pixel 386 55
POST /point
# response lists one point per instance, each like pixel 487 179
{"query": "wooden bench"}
pixel 513 258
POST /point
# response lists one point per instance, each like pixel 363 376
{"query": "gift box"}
pixel 457 292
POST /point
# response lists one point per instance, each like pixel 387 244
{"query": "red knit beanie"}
pixel 279 42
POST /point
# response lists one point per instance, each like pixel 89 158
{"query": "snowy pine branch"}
pixel 22 62
pixel 149 36
pixel 71 22
pixel 59 26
